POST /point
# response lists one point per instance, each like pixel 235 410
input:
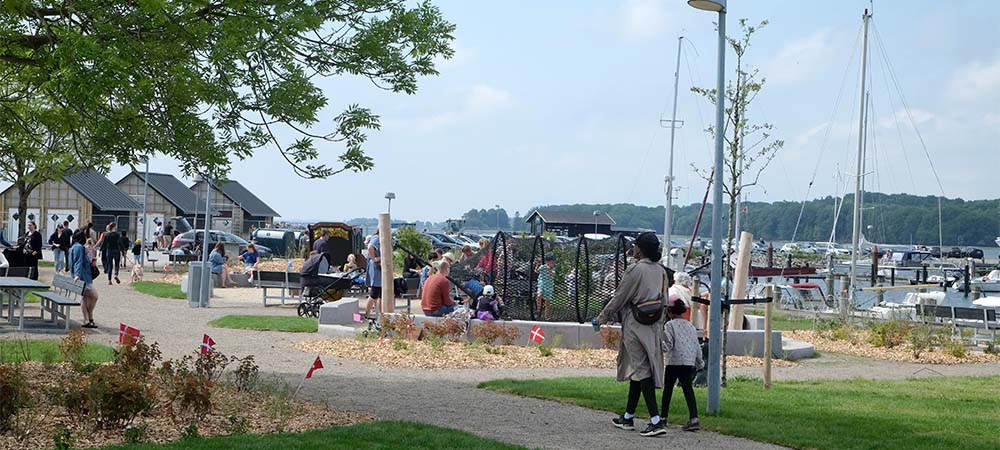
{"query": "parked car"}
pixel 935 251
pixel 793 247
pixel 972 252
pixel 954 252
pixel 187 241
pixel 439 240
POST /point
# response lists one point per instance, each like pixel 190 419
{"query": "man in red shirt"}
pixel 436 300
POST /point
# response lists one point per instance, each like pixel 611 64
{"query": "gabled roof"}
pixel 602 218
pixel 173 190
pixel 101 192
pixel 243 197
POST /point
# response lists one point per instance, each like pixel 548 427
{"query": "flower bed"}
pixel 451 355
pixel 857 343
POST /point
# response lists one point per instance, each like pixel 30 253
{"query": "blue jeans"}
pixel 443 310
pixel 60 257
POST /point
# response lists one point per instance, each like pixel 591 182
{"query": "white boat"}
pixel 905 310
pixel 989 283
pixel 997 241
pixel 987 302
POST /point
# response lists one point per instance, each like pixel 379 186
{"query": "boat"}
pixel 799 296
pixel 997 241
pixel 905 310
pixel 987 302
pixel 988 283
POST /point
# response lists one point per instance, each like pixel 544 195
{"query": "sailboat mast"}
pixel 667 214
pixel 857 184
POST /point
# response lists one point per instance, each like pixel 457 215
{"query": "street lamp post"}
pixel 389 196
pixel 596 215
pixel 715 307
pixel 145 215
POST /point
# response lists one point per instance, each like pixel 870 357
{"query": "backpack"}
pixel 648 312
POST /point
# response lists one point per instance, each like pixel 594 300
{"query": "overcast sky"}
pixel 560 102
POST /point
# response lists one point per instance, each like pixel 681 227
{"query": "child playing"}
pixel 490 305
pixel 683 354
pixel 137 251
pixel 546 284
pixel 250 258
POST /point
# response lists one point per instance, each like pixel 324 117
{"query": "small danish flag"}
pixel 537 334
pixel 317 364
pixel 127 334
pixel 207 344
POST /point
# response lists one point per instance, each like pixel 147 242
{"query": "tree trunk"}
pixel 23 191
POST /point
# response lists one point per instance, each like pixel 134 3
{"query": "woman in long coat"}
pixel 640 357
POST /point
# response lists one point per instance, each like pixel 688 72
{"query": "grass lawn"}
pixel 44 263
pixel 157 289
pixel 918 414
pixel 784 322
pixel 292 324
pixel 367 436
pixel 48 351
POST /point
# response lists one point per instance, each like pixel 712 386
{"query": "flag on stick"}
pixel 537 334
pixel 317 364
pixel 127 334
pixel 357 318
pixel 207 344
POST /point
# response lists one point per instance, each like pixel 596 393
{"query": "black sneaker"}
pixel 623 423
pixel 89 325
pixel 654 430
pixel 692 425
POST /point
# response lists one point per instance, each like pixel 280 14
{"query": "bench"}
pixel 956 316
pixel 65 293
pixel 182 259
pixel 22 272
pixel 412 291
pixel 287 282
pixel 152 257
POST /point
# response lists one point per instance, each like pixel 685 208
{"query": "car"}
pixel 187 240
pixel 465 240
pixel 954 252
pixel 439 241
pixel 972 252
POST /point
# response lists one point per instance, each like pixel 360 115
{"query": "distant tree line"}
pixel 887 218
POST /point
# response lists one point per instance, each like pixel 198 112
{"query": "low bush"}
pixel 14 394
pixel 888 334
pixel 610 337
pixel 956 348
pixel 137 358
pixel 135 434
pixel 921 339
pixel 490 332
pixel 447 329
pixel 112 397
pixel 71 347
pixel 246 375
pixel 399 325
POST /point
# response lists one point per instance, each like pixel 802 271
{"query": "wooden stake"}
pixel 385 247
pixel 740 280
pixel 768 292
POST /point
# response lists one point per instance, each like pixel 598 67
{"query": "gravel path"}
pixel 441 397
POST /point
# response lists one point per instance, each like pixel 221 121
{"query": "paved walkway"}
pixel 441 397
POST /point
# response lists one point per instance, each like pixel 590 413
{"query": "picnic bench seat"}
pixel 153 257
pixel 957 316
pixel 287 282
pixel 412 291
pixel 65 294
pixel 22 272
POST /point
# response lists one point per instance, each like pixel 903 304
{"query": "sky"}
pixel 561 102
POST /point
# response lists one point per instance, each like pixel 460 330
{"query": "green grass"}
pixel 917 414
pixel 157 289
pixel 783 322
pixel 291 324
pixel 366 436
pixel 44 263
pixel 48 351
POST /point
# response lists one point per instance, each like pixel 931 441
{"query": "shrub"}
pixel 138 358
pixel 921 339
pixel 62 439
pixel 246 375
pixel 610 337
pixel 72 347
pixel 111 397
pixel 546 350
pixel 14 394
pixel 237 424
pixel 888 334
pixel 436 343
pixel 211 365
pixel 135 434
pixel 190 432
pixel 398 326
pixel 490 332
pixel 992 348
pixel 399 344
pixel 447 329
pixel 956 348
pixel 188 392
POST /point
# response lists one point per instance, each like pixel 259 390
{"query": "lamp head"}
pixel 390 195
pixel 708 5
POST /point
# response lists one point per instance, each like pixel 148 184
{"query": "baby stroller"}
pixel 319 289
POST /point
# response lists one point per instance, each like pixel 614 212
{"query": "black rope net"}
pixel 584 275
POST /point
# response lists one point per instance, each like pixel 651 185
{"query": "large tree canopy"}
pixel 208 81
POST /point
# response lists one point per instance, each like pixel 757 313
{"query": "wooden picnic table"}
pixel 16 288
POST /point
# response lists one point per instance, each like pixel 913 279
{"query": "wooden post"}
pixel 829 287
pixel 892 276
pixel 770 255
pixel 965 280
pixel 695 306
pixel 740 280
pixel 874 273
pixel 768 292
pixel 385 250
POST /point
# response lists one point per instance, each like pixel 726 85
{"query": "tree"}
pixel 206 81
pixel 750 147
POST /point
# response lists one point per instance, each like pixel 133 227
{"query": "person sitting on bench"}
pixel 435 300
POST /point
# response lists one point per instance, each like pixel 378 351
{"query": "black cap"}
pixel 649 245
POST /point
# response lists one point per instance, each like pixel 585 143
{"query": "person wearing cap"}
pixel 546 284
pixel 489 306
pixel 640 355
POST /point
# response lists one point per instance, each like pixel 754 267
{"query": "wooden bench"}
pixel 287 282
pixel 23 272
pixel 956 316
pixel 65 294
pixel 412 291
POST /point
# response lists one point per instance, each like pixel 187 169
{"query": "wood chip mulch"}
pixel 451 355
pixel 858 346
pixel 259 409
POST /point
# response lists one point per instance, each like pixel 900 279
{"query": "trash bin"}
pixel 281 242
pixel 196 270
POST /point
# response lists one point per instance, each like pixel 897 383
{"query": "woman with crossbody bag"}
pixel 638 305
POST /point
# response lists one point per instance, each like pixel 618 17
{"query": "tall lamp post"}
pixel 596 215
pixel 497 207
pixel 389 196
pixel 715 307
pixel 145 215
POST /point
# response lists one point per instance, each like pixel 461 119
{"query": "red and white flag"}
pixel 317 364
pixel 127 334
pixel 537 334
pixel 207 344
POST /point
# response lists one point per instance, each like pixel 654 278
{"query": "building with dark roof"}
pixel 570 224
pixel 166 197
pixel 237 209
pixel 83 197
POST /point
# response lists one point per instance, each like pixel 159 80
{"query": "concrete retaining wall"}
pixel 340 312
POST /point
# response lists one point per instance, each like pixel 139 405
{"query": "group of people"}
pixel 219 261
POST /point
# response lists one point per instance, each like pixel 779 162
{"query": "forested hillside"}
pixel 888 218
